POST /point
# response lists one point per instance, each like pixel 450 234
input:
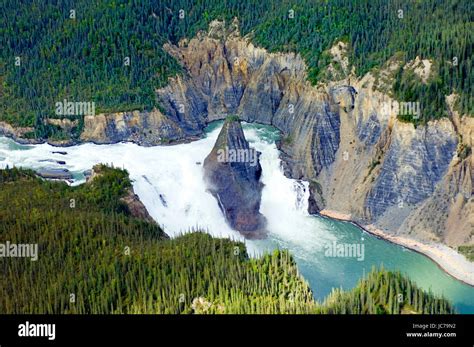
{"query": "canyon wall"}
pixel 359 158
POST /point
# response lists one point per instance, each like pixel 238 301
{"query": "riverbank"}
pixel 450 261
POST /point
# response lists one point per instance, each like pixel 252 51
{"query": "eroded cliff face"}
pixel 144 128
pixel 447 215
pixel 359 159
pixel 232 174
pixel 17 133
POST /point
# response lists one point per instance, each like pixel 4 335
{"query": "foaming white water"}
pixel 285 203
pixel 169 181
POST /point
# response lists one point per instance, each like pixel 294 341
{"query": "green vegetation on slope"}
pixel 468 252
pixel 113 262
pixel 84 59
pixel 383 292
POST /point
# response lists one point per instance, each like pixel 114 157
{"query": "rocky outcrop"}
pixel 64 124
pixel 232 173
pixel 136 207
pixel 144 128
pixel 18 133
pixel 55 174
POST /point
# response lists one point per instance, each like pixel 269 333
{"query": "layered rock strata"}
pixel 232 173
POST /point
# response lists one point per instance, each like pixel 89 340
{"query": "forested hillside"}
pixel 95 257
pixel 383 292
pixel 78 50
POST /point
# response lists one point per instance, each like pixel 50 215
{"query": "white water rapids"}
pixel 169 182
